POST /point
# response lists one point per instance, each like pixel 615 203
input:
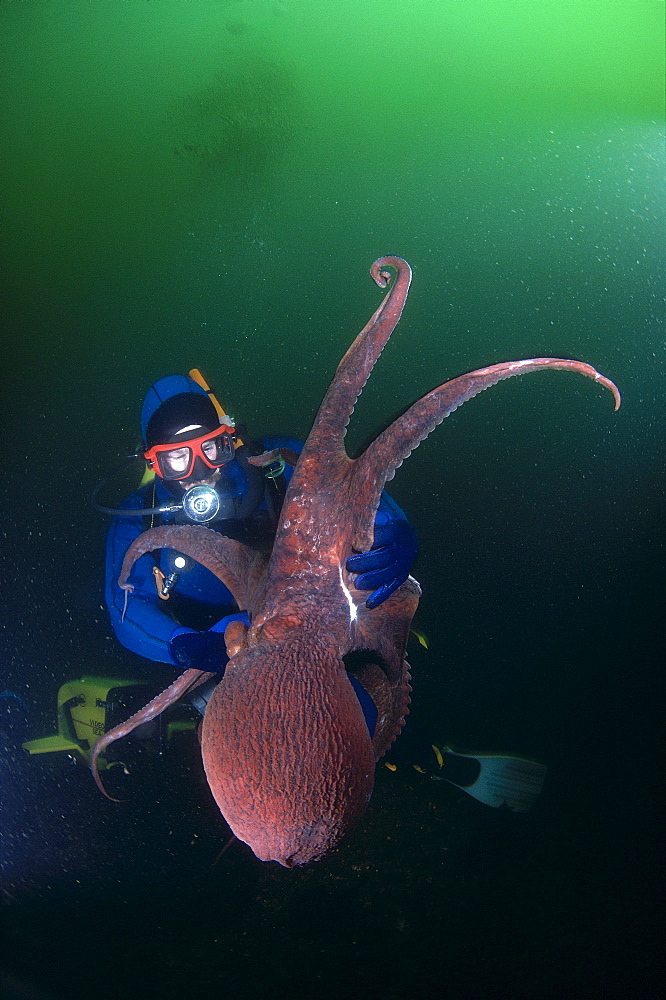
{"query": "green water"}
pixel 207 183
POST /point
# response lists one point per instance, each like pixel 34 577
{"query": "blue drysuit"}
pixel 199 599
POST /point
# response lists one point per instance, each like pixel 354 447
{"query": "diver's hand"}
pixel 203 650
pixel 386 566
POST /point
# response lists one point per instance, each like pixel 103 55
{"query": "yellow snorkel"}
pixel 197 377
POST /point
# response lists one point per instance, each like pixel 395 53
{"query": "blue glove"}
pixel 386 566
pixel 203 650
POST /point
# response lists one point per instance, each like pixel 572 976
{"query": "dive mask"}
pixel 176 461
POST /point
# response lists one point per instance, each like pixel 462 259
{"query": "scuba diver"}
pixel 179 610
pixel 198 473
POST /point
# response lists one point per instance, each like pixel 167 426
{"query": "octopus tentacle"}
pixel 377 465
pixel 276 455
pixel 238 566
pixel 188 681
pixel 328 429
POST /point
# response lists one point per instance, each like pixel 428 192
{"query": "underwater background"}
pixel 199 183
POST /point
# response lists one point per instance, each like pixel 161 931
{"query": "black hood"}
pixel 184 410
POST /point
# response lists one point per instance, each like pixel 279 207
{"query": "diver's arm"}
pixel 143 628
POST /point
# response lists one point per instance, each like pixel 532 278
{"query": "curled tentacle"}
pixel 187 681
pixel 238 566
pixel 276 455
pixel 328 430
pixel 381 276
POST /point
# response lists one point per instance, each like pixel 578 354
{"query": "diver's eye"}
pixel 177 459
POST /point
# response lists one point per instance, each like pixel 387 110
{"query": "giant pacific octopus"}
pixel 286 748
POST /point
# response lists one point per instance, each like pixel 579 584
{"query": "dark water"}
pixel 207 184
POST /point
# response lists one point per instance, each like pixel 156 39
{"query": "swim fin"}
pixel 498 780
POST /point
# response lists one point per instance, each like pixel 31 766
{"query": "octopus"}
pixel 287 751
